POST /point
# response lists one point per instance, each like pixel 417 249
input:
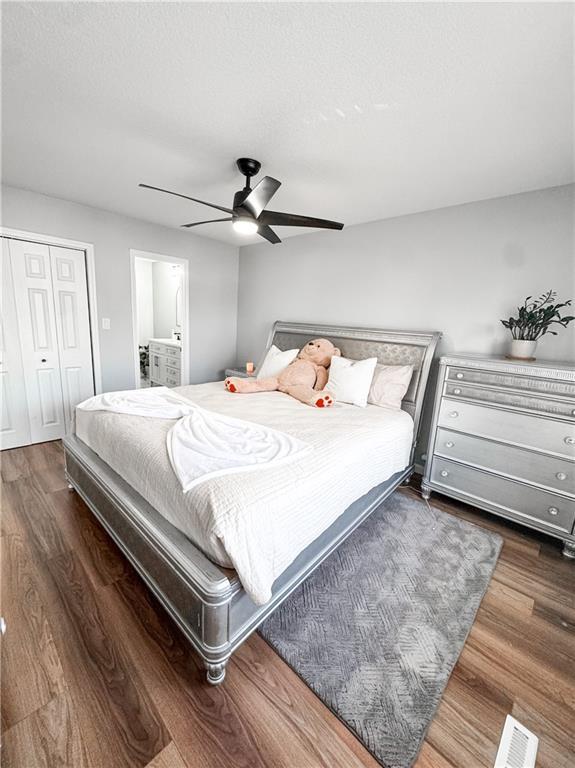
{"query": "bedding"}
pixel 202 444
pixel 349 380
pixel 389 385
pixel 257 522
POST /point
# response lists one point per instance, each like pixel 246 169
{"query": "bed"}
pixel 222 557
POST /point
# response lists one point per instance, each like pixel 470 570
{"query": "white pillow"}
pixel 349 380
pixel 389 385
pixel 275 361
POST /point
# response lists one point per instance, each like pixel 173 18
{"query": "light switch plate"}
pixel 106 323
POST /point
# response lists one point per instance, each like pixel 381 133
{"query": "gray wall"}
pixel 457 270
pixel 213 279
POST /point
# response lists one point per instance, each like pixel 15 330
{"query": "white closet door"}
pixel 14 422
pixel 73 327
pixel 39 342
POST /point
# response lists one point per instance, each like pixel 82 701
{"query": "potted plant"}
pixel 145 360
pixel 533 321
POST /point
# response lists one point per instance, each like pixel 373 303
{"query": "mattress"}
pixel 258 522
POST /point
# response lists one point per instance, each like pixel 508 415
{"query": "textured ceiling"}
pixel 363 111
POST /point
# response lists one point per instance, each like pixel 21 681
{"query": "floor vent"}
pixel 518 746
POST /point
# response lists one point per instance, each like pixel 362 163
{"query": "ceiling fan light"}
pixel 245 226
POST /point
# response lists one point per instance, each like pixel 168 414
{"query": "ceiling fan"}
pixel 248 214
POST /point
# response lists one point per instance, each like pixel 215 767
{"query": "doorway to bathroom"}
pixel 160 319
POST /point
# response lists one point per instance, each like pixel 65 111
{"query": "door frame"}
pixel 185 264
pixel 88 248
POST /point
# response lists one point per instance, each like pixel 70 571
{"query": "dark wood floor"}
pixel 95 674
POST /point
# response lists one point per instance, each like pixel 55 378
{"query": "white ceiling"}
pixel 363 111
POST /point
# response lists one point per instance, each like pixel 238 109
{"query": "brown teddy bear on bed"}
pixel 304 378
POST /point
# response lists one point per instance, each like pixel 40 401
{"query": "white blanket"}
pixel 257 522
pixel 155 402
pixel 202 444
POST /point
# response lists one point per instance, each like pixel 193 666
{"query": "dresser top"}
pixel 544 368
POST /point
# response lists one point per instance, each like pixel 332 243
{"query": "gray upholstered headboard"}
pixel 390 347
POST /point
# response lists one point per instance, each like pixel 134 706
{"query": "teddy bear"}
pixel 304 378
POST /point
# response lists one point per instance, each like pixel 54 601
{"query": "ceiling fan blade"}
pixel 292 220
pixel 186 197
pixel 260 196
pixel 209 221
pixel 268 234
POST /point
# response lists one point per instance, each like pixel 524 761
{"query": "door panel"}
pixel 14 421
pixel 48 388
pixel 73 327
pixel 68 311
pixel 35 311
pixel 39 301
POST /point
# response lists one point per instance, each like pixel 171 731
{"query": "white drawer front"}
pixel 549 471
pixel 548 435
pixel 172 373
pixel 529 383
pixel 527 504
pixel 173 361
pixel 564 409
pixel 154 347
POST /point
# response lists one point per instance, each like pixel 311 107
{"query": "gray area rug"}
pixel 376 630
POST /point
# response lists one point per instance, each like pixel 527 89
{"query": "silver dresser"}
pixel 503 439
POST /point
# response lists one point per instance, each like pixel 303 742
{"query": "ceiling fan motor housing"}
pixel 239 198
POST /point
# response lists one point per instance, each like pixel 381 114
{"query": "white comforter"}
pixel 202 444
pixel 258 522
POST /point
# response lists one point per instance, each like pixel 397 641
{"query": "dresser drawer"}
pixel 172 373
pixel 522 502
pixel 555 474
pixel 512 381
pixel 172 352
pixel 155 347
pixel 523 429
pixel 525 400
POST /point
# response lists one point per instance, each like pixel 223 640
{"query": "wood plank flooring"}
pixel 95 675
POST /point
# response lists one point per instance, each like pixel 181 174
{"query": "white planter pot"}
pixel 521 349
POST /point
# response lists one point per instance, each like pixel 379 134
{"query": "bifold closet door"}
pixel 70 288
pixel 14 423
pixel 50 290
pixel 32 274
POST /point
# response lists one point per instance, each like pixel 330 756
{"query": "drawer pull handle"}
pixel 455 414
pixel 456 391
pixel 561 476
pixel 458 375
pixel 553 511
pixel 444 473
pixel 570 440
pixel 449 444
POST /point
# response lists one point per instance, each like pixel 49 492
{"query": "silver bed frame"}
pixel 205 600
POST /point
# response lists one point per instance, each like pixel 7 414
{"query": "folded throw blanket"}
pixel 202 444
